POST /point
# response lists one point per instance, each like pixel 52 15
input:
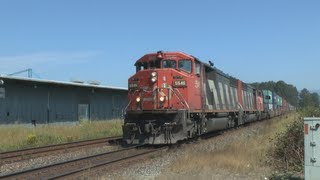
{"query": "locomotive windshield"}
pixel 183 64
pixel 148 65
pixel 156 64
pixel 169 64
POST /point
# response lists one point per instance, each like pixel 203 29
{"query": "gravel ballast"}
pixel 158 167
pixel 52 159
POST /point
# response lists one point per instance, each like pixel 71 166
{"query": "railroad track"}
pixel 76 168
pixel 24 154
pixel 86 166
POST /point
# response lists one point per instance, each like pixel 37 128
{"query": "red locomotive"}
pixel 174 96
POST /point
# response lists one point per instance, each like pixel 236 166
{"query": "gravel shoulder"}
pixel 182 163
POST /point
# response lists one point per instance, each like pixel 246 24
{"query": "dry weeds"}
pixel 15 137
pixel 242 156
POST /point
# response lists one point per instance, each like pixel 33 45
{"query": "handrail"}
pixel 180 97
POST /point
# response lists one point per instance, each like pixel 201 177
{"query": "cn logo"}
pixel 196 84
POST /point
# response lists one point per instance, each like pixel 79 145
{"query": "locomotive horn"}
pixel 160 54
pixel 211 63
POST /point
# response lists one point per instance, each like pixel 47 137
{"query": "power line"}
pixel 29 72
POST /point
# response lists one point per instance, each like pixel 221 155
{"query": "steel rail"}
pixel 57 170
pixel 23 154
pixel 99 165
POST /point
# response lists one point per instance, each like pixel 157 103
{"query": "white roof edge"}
pixel 61 82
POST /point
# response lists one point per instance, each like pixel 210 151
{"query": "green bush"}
pixel 287 152
pixel 310 112
pixel 31 139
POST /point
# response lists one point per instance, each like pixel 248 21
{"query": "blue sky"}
pixel 100 40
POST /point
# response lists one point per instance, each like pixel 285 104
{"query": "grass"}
pixel 243 155
pixel 14 137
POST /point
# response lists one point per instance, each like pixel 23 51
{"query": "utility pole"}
pixel 29 71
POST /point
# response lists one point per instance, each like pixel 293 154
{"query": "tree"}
pixel 315 98
pixel 287 91
pixel 308 99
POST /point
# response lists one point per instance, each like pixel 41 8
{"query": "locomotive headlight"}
pixel 153 79
pixel 153 74
pixel 161 98
pixel 138 99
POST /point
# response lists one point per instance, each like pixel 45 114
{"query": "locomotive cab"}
pixel 162 82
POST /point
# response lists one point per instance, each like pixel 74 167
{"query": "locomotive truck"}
pixel 174 96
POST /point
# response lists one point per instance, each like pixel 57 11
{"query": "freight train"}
pixel 174 96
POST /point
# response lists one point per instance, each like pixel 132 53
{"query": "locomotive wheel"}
pixel 204 126
pixel 131 137
pixel 231 122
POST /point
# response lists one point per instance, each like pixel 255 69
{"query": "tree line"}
pixel 301 99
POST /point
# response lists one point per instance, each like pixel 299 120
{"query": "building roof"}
pixel 4 77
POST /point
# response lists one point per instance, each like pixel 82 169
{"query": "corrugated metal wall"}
pixel 24 101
